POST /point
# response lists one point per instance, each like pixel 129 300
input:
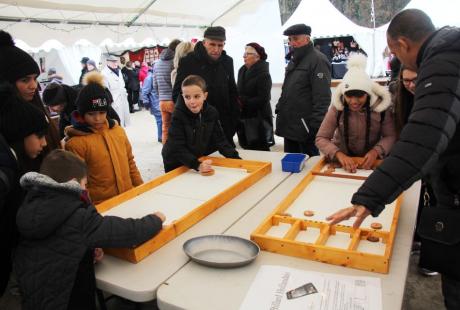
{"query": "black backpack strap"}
pixel 382 117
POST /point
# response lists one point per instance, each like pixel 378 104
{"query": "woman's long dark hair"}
pixel 403 103
pixel 346 113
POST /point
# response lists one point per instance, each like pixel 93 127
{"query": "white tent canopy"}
pixel 441 12
pixel 327 21
pixel 324 19
pixel 63 28
pixel 35 21
pixel 255 21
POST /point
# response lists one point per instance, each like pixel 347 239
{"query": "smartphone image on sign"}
pixel 303 290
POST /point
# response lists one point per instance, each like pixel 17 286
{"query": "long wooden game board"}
pixel 184 196
pixel 323 191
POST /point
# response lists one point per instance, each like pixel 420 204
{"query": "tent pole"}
pixel 129 24
pixel 233 6
pixel 373 37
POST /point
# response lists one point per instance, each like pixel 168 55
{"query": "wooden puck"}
pixel 286 214
pixel 376 225
pixel 371 238
pixel 208 173
pixel 308 213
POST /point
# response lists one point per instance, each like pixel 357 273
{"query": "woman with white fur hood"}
pixel 359 121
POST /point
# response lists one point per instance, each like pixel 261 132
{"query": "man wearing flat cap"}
pixel 210 61
pixel 305 95
pixel 113 79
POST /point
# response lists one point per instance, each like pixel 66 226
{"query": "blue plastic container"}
pixel 293 162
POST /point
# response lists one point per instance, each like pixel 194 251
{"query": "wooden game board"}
pixel 287 230
pixel 184 196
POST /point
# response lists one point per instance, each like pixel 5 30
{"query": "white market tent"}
pixel 326 21
pixel 66 30
pixel 442 13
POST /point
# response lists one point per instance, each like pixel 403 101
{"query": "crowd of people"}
pixel 52 176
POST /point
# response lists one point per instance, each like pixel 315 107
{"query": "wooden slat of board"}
pixel 256 170
pixel 349 256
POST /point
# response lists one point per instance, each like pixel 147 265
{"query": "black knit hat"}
pixel 54 94
pixel 93 96
pixel 259 49
pixel 297 29
pixel 21 119
pixel 14 62
pixel 215 33
pixel 84 60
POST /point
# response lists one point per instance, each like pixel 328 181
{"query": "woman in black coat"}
pixel 254 85
pixel 132 84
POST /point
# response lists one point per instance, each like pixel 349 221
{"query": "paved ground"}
pixel 422 293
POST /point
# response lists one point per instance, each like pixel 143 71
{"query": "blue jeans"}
pixel 451 292
pixel 155 111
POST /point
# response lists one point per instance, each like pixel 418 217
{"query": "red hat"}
pixel 259 49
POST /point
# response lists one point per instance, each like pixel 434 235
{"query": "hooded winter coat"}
pixel 58 226
pixel 194 135
pixel 108 155
pixel 382 135
pixel 220 80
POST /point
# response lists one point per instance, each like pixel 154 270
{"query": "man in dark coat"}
pixel 428 147
pixel 305 95
pixel 210 61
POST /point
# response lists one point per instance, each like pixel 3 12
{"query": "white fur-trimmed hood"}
pixel 34 179
pixel 380 98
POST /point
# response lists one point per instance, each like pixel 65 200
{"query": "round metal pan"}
pixel 221 251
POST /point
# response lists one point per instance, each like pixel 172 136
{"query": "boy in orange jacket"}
pixel 101 143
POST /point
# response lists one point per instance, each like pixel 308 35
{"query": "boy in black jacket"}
pixel 195 130
pixel 60 228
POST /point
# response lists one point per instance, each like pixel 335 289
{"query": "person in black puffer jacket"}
pixel 9 202
pixel 254 86
pixel 22 139
pixel 428 147
pixel 195 130
pixel 60 228
pixel 211 62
